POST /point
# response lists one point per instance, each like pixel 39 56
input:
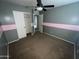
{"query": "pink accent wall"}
pixel 62 26
pixel 7 27
pixel 54 25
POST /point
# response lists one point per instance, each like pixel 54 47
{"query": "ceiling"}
pixel 45 2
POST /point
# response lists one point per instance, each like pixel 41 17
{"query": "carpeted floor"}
pixel 41 46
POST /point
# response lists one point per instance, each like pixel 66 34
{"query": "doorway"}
pixel 38 23
pixel 28 22
pixel 23 23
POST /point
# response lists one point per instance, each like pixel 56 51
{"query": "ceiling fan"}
pixel 40 6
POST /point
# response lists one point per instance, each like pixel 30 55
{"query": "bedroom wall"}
pixel 63 22
pixel 6 10
pixel 67 16
pixel 3 45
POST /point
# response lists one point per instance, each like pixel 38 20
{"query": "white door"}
pixel 20 24
pixel 41 23
pixel 28 22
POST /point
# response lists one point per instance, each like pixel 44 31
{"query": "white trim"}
pixel 53 36
pixel 13 41
pixel 8 51
pixel 65 41
pixel 74 51
pixel 59 38
pixel 4 56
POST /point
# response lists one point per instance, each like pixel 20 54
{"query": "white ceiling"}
pixel 45 2
pixel 58 2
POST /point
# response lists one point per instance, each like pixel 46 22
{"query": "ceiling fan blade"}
pixel 39 3
pixel 44 9
pixel 47 6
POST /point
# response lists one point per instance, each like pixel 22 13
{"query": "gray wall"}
pixel 6 9
pixel 3 45
pixel 68 14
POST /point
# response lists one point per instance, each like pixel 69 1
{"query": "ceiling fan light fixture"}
pixel 39 8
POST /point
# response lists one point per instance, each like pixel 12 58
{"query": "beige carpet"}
pixel 41 46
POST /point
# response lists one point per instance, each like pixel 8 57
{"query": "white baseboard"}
pixel 14 41
pixel 8 52
pixel 65 41
pixel 59 38
pixel 55 37
pixel 75 51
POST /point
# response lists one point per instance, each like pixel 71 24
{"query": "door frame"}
pixel 31 20
pixel 17 25
pixel 41 23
